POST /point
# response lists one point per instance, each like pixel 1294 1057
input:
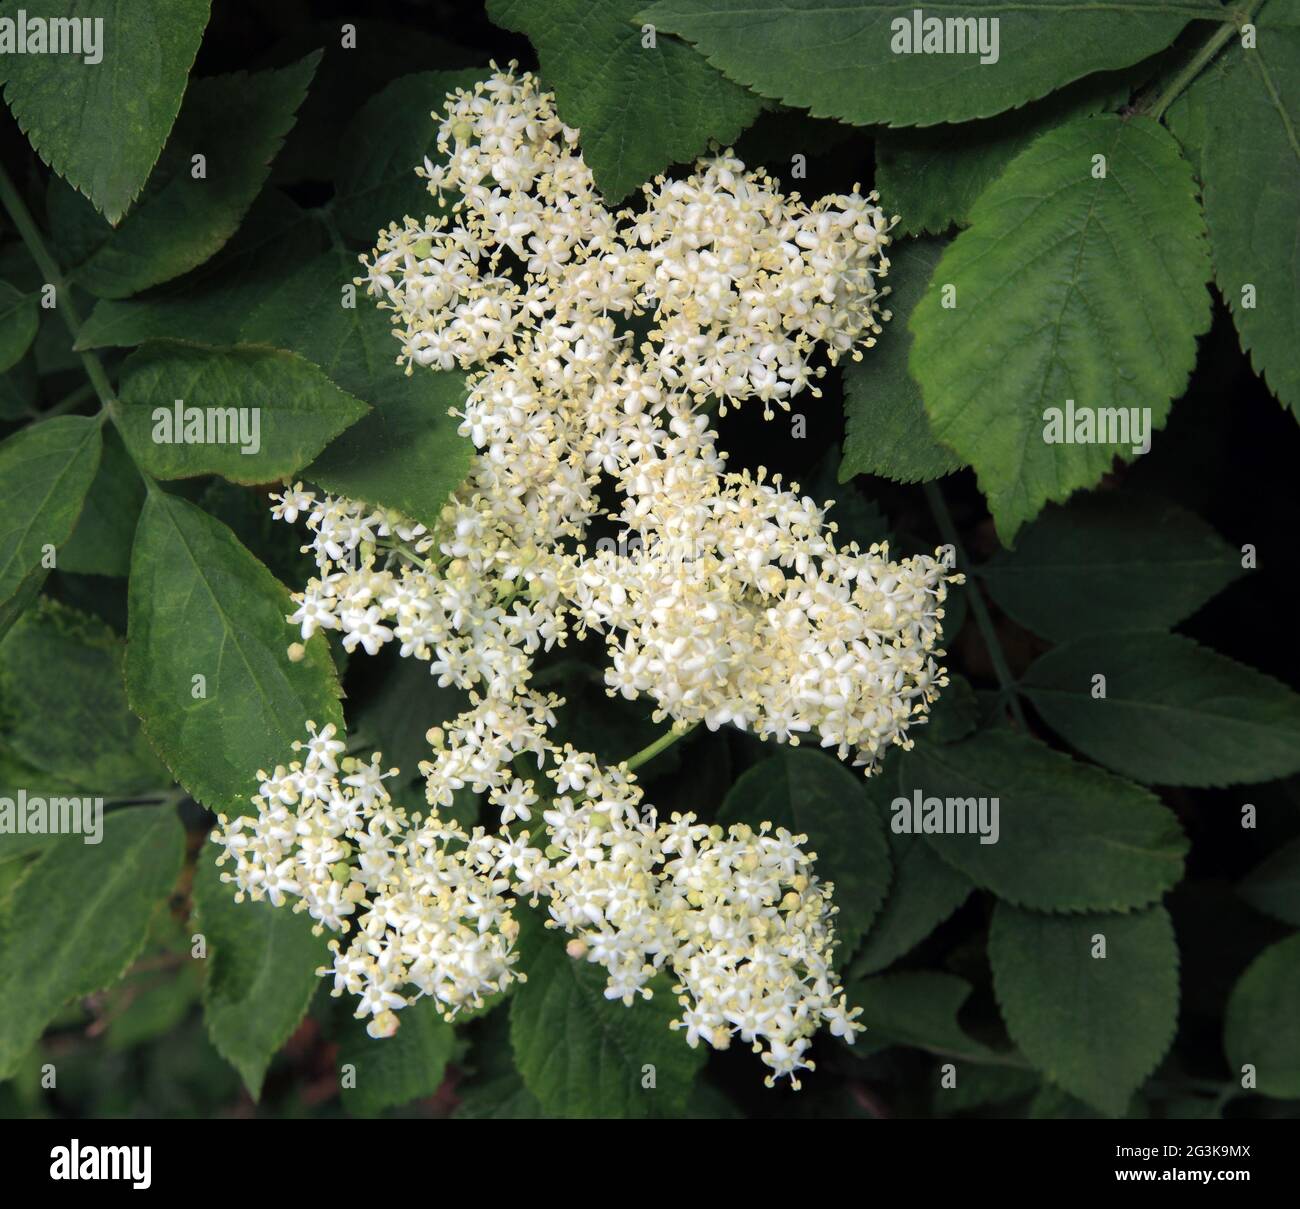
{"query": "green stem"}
pixel 648 753
pixel 12 201
pixel 979 610
pixel 1199 61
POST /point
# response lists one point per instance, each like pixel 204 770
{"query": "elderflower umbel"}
pixel 729 599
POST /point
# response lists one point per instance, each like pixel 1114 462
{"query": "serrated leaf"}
pixel 1174 712
pixel 237 123
pixel 45 471
pixel 1240 121
pixel 1274 885
pixel 583 1055
pixel 1095 1026
pixel 101 542
pixel 811 794
pixel 101 126
pixel 886 429
pixel 262 964
pixel 930 178
pixel 63 704
pixel 639 109
pixel 79 917
pixel 1070 837
pixel 211 303
pixel 1110 561
pixel 1259 1026
pixel 202 605
pixel 406 453
pixel 374 178
pixel 259 414
pixel 850 61
pixel 1069 287
pixel 918 1008
pixel 396 1070
pixel 19 318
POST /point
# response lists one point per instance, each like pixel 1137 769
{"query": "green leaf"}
pixel 639 109
pixel 1070 837
pixel 15 775
pixel 931 177
pixel 396 1070
pixel 1250 111
pixel 146 1008
pixel 918 1008
pixel 923 892
pixel 1174 712
pixel 406 453
pixel 583 1055
pixel 1096 1026
pixel 811 794
pixel 27 591
pixel 45 471
pixel 18 390
pixel 258 414
pixel 986 1086
pixel 202 605
pixel 101 542
pixel 19 318
pixel 1110 561
pixel 262 964
pixel 237 123
pixel 63 704
pixel 494 1089
pixel 212 303
pixel 1068 287
pixel 1259 1026
pixel 101 126
pixel 1274 886
pixel 886 428
pixel 78 918
pixel 840 60
pixel 374 179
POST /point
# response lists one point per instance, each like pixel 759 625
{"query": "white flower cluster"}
pixel 736 604
pixel 597 346
pixel 429 903
pixel 738 918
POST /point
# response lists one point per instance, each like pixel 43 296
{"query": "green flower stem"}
pixel 13 203
pixel 979 610
pixel 1215 43
pixel 665 741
